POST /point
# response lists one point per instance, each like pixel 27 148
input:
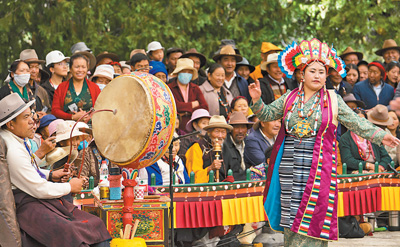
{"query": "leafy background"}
pixel 120 26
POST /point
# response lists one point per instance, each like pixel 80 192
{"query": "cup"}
pixel 139 192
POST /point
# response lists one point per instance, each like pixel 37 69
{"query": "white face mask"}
pixel 22 79
pixel 101 86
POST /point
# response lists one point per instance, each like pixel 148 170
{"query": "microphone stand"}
pixel 171 172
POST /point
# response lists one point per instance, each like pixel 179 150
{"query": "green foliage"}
pixel 120 26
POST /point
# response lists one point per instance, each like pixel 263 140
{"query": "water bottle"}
pixel 103 171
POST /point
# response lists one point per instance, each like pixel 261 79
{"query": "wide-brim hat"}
pixel 80 46
pixel 173 50
pixel 238 118
pixel 195 53
pixel 244 62
pixel 104 70
pixel 349 51
pixel 268 46
pixel 217 121
pixel 90 56
pixel 387 45
pixel 197 114
pixel 107 54
pixel 30 56
pixel 185 63
pixel 227 51
pixel 225 42
pixel 379 115
pixel 11 106
pixel 124 65
pixel 136 51
pixel 58 154
pixel 350 98
pixel 64 129
pixel 272 58
pixel 84 128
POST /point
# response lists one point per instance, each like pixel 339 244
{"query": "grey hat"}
pixel 11 106
pixel 80 46
pixel 244 62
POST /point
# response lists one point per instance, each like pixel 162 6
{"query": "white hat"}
pixel 55 57
pixel 11 106
pixel 64 130
pixel 124 65
pixel 104 70
pixel 272 58
pixel 153 46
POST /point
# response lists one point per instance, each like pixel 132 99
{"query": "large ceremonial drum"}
pixel 142 129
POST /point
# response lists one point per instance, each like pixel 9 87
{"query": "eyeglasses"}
pixel 63 64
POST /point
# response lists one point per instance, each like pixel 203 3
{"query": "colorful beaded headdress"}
pixel 314 50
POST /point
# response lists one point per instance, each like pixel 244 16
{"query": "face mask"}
pixel 101 86
pixel 22 79
pixel 184 78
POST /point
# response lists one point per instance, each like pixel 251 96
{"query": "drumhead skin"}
pixel 142 129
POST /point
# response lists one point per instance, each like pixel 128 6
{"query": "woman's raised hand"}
pixel 255 91
pixel 391 141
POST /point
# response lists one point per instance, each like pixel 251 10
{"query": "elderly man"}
pixel 390 51
pixel 335 81
pixel 234 146
pixel 171 58
pixel 267 48
pixel 274 85
pixel 236 84
pixel 351 56
pixel 259 140
pixel 38 193
pixel 199 61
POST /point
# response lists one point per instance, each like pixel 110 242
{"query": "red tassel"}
pixel 325 104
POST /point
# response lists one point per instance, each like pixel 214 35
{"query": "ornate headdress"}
pixel 314 50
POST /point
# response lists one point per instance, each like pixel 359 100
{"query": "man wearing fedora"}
pixel 274 85
pixel 350 56
pixel 199 61
pixel 171 58
pixel 267 48
pixel 390 51
pixel 236 84
pixel 234 145
pixel 38 198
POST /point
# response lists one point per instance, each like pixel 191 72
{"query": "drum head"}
pixel 122 137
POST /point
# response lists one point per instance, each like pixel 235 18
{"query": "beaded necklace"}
pixel 225 105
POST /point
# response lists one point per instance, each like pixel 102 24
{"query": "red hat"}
pixel 380 67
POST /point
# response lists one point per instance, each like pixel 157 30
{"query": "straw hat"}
pixel 227 51
pixel 217 121
pixel 58 154
pixel 387 45
pixel 238 118
pixel 268 46
pixel 193 52
pixel 350 98
pixel 30 56
pixel 379 115
pixel 197 114
pixel 349 51
pixel 185 63
pixel 11 106
pixel 272 58
pixel 64 129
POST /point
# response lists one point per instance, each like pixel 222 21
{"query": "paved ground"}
pixel 378 239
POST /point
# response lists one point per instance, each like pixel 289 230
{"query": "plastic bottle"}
pixel 103 171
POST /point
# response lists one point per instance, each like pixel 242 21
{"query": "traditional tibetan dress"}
pixel 300 196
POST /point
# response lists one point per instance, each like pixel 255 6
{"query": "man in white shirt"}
pixel 31 185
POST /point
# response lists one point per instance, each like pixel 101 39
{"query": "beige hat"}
pixel 272 58
pixel 227 50
pixel 217 121
pixel 125 65
pixel 185 63
pixel 379 115
pixel 90 56
pixel 238 117
pixel 387 45
pixel 135 51
pixel 11 106
pixel 64 130
pixel 58 154
pixel 349 51
pixel 30 56
pixel 104 70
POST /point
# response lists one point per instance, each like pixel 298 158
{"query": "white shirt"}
pixel 23 174
pixel 377 89
pixel 228 84
pixel 279 82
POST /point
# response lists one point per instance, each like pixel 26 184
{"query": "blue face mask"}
pixel 184 78
pixel 101 86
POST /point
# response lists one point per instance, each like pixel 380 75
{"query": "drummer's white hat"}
pixel 11 106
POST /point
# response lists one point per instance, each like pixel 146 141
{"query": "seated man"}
pixel 45 218
pixel 234 146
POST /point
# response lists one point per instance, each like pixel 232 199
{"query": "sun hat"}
pixel 53 126
pixel 106 54
pixel 153 46
pixel 272 58
pixel 30 56
pixel 185 63
pixel 80 46
pixel 225 42
pixel 46 120
pixel 58 154
pixel 197 114
pixel 217 121
pixel 192 52
pixel 349 51
pixel 350 98
pixel 55 57
pixel 84 127
pixel 64 129
pixel 136 51
pixel 379 115
pixel 387 45
pixel 227 50
pixel 124 65
pixel 238 118
pixel 157 66
pixel 11 106
pixel 104 70
pixel 244 62
pixel 268 46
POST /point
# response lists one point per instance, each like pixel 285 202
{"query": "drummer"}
pixel 200 157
